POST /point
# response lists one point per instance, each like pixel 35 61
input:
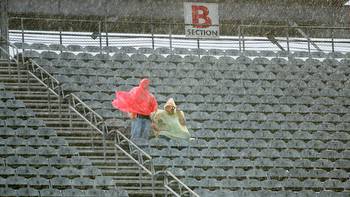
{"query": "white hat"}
pixel 170 102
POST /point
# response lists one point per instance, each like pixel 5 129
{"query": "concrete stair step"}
pixel 147 181
pixel 6 63
pixel 63 124
pixel 22 85
pixel 67 133
pixel 11 74
pixel 35 106
pixel 52 115
pixel 95 147
pixel 86 137
pixel 118 168
pixel 110 159
pixel 43 105
pixel 56 120
pixel 75 130
pixel 130 174
pixel 135 178
pixel 36 97
pixel 54 111
pixel 137 191
pixel 10 65
pixel 121 169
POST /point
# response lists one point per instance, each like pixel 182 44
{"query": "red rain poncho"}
pixel 138 100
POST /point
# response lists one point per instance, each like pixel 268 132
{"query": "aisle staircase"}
pixel 125 172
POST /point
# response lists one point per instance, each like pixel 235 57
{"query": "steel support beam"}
pixel 274 41
pixel 295 25
pixel 4 36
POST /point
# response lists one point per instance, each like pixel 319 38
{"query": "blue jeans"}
pixel 140 128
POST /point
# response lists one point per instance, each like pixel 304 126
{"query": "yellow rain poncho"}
pixel 170 124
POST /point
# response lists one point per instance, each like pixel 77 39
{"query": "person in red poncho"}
pixel 139 103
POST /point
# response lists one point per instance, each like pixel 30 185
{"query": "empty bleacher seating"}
pixel 264 123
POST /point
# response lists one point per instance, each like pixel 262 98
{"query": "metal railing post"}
pixel 8 65
pixel 116 153
pixel 166 181
pixel 308 46
pixel 70 113
pixel 22 30
pixel 60 111
pixel 100 35
pixel 140 174
pixel 243 42
pixel 92 138
pixel 28 64
pixel 332 38
pixel 92 134
pixel 152 31
pixel 198 47
pixel 170 38
pixel 18 65
pixel 61 41
pixel 106 31
pixel 104 135
pixel 239 38
pixel 153 185
pixel 49 100
pixel 288 40
pixel 104 146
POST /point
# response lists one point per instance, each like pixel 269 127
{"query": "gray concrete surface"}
pixel 255 11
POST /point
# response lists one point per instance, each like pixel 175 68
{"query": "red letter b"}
pixel 196 16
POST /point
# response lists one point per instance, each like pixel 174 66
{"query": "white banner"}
pixel 201 19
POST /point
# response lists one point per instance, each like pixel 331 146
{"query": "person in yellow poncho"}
pixel 170 122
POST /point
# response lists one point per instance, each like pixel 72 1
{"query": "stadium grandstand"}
pixel 264 85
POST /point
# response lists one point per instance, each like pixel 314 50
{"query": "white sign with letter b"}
pixel 201 19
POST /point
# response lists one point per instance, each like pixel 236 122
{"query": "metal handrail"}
pixel 241 39
pixel 152 36
pixel 85 105
pixel 88 114
pixel 174 36
pixel 132 143
pixel 52 84
pixel 118 135
pixel 180 185
pixel 44 71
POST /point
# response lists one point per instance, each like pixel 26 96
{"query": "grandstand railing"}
pixel 89 115
pixel 136 154
pixel 240 39
pixel 289 39
pixel 171 182
pixel 46 79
